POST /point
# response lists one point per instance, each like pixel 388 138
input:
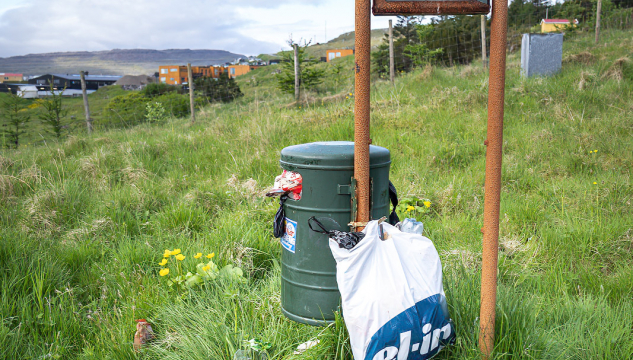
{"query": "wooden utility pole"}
pixel 190 83
pixel 297 73
pixel 392 70
pixel 598 20
pixel 85 96
pixel 483 40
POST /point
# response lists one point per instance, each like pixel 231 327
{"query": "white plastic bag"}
pixel 393 300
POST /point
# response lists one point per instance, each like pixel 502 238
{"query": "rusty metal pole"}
pixel 492 187
pixel 361 108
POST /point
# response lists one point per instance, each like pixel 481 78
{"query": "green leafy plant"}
pixel 414 206
pixel 203 271
pixel 155 112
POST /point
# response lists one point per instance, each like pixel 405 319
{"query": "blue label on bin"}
pixel 289 239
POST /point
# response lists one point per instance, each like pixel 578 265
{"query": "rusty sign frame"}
pixel 423 7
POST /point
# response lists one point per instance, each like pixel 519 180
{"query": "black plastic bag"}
pixel 280 218
pixel 345 240
pixel 393 196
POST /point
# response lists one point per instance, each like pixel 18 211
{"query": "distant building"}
pixel 73 81
pixel 9 77
pixel 237 70
pixel 337 53
pixel 553 25
pixel 274 61
pixel 178 75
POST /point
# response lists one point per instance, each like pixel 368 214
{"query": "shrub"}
pixel 223 89
pixel 125 110
pixel 152 90
pixel 175 105
pixel 155 112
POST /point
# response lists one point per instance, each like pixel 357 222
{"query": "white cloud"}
pixel 240 26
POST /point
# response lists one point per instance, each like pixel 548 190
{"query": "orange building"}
pixel 177 74
pixel 237 70
pixel 337 53
pixel 7 77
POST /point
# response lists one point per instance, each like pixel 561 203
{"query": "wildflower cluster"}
pixel 414 206
pixel 203 271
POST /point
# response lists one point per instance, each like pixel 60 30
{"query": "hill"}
pixel 117 61
pixel 84 222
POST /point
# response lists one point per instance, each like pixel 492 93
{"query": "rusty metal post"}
pixel 492 187
pixel 362 107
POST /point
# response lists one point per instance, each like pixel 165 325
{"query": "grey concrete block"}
pixel 541 54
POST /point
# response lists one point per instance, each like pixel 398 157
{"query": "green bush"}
pixel 152 90
pixel 131 109
pixel 175 104
pixel 125 110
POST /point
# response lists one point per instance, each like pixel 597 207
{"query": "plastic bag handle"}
pixel 393 196
pixel 322 231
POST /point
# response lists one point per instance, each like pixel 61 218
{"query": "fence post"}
pixel 598 20
pixel 297 75
pixel 190 83
pixel 392 70
pixel 82 75
pixel 483 40
pixel 492 183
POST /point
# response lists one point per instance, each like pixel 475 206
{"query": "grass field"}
pixel 84 222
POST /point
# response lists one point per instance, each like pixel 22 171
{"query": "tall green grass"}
pixel 84 222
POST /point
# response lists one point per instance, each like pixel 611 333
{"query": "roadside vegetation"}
pixel 85 221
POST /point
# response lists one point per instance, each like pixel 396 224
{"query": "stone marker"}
pixel 541 54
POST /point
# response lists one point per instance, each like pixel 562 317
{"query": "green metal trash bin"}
pixel 309 292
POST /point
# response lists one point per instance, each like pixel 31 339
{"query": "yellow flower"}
pixel 350 94
pixel 162 263
pixel 410 208
pixel 427 204
pixel 595 151
pixel 205 268
pixel 163 272
pixel 197 256
pixel 595 183
pixel 167 253
pixel 175 252
pixel 209 256
pixel 180 257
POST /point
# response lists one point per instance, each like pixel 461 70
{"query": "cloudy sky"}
pixel 242 26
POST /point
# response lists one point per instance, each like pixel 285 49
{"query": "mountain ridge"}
pixel 115 61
